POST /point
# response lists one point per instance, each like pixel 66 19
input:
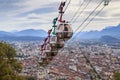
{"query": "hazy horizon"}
pixel 46 31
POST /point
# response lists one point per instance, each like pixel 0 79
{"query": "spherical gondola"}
pixel 64 31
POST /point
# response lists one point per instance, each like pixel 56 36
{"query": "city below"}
pixel 78 60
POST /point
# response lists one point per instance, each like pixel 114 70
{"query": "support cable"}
pixel 81 11
pixel 77 12
pixel 89 16
pixel 92 19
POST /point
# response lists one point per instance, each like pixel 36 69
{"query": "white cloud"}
pixel 109 16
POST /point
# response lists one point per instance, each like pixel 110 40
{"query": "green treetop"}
pixel 116 76
pixel 9 66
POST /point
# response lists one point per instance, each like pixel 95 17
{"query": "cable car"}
pixel 60 43
pixel 42 61
pixel 53 41
pixel 49 52
pixel 64 31
pixel 56 43
pixel 48 49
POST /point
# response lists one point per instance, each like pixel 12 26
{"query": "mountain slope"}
pixel 109 39
pixel 25 35
pixel 21 38
pixel 31 32
pixel 113 31
pixel 3 33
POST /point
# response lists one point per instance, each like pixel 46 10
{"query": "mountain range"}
pixel 29 34
pixel 111 32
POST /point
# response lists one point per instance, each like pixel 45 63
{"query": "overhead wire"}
pixel 97 74
pixel 81 11
pixel 67 5
pixel 77 11
pixel 92 19
pixel 89 15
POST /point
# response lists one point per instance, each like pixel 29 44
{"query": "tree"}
pixel 9 66
pixel 116 76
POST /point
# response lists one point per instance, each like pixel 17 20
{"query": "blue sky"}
pixel 38 14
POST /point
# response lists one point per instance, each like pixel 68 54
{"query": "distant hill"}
pixel 113 31
pixel 21 38
pixel 3 33
pixel 109 39
pixel 29 34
